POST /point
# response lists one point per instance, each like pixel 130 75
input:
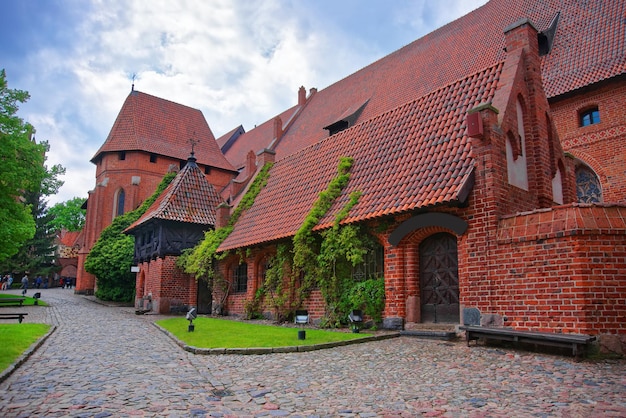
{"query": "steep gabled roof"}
pixel 151 124
pixel 589 46
pixel 255 140
pixel 189 198
pixel 414 156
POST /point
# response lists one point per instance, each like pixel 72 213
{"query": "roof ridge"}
pixel 405 104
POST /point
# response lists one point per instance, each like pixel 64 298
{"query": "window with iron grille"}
pixel 240 278
pixel 372 266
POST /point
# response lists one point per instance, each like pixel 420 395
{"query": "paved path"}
pixel 105 361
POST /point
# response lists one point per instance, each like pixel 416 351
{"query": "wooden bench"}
pixel 575 341
pixel 18 316
pixel 12 301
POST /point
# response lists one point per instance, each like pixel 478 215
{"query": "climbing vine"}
pixel 305 243
pixel 200 259
pixel 313 260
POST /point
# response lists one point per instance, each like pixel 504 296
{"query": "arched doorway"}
pixel 439 279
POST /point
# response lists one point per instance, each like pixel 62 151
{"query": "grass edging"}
pixel 273 350
pixel 25 355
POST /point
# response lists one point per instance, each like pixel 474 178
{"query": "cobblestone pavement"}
pixel 105 361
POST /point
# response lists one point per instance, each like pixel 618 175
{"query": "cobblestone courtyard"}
pixel 106 361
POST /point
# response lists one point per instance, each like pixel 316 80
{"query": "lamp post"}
pixel 191 315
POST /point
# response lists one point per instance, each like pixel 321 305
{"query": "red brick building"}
pixel 150 137
pixel 490 159
pixel 504 141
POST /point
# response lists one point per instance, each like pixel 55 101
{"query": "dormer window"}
pixel 346 120
pixel 590 116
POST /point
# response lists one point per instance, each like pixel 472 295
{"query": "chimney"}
pixel 301 96
pixel 265 156
pixel 521 34
pixel 278 127
pixel 250 164
pixel 312 91
pixel 222 215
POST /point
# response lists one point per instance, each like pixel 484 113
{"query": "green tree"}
pixel 68 215
pixel 37 255
pixel 22 170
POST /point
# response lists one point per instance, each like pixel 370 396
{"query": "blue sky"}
pixel 239 61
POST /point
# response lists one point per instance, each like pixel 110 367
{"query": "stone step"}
pixel 445 332
pixel 435 335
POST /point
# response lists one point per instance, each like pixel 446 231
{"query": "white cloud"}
pixel 239 62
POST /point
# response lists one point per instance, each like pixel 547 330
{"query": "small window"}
pixel 153 158
pixel 120 202
pixel 122 155
pixel 240 278
pixel 207 169
pixel 590 117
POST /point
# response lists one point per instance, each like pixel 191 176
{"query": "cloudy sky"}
pixel 239 61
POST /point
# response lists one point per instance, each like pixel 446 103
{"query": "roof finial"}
pixel 193 143
pixel 132 87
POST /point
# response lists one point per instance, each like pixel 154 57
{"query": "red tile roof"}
pixel 590 46
pixel 255 140
pixel 151 124
pixel 68 238
pixel 189 198
pixel 414 156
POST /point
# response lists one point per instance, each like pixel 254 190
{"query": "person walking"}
pixel 24 284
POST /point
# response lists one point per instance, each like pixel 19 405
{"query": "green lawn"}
pixel 16 338
pixel 222 333
pixel 27 301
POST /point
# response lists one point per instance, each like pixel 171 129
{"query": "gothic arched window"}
pixel 119 203
pixel 588 188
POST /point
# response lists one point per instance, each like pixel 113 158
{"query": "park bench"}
pixel 12 301
pixel 578 342
pixel 18 316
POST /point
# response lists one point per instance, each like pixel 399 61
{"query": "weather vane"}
pixel 193 143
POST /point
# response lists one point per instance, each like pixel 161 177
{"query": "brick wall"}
pixel 113 174
pixel 601 146
pixel 560 270
pixel 166 284
pixel 255 260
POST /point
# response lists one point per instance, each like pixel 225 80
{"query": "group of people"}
pixel 39 282
pixel 7 281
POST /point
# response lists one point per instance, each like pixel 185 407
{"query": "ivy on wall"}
pixel 199 260
pixel 318 261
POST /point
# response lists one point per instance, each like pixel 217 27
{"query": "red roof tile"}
pixel 590 46
pixel 414 156
pixel 255 140
pixel 189 198
pixel 151 124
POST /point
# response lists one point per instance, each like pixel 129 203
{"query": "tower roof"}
pixel 151 124
pixel 189 198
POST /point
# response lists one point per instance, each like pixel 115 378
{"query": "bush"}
pixel 369 296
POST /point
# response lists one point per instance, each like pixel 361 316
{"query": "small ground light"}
pixel 191 315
